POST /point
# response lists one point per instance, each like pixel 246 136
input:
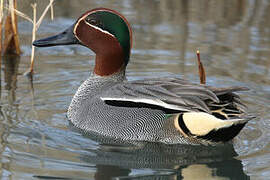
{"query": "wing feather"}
pixel 176 94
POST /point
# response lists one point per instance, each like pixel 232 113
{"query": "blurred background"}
pixel 36 141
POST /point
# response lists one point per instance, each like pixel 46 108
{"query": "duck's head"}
pixel 105 31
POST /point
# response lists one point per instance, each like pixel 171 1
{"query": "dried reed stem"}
pixel 1 9
pixel 36 25
pixel 34 6
pixel 201 69
pixel 13 5
pixel 52 13
pixel 19 13
pixel 43 14
pixel 1 22
pixel 11 42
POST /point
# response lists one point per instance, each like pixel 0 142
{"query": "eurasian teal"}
pixel 168 110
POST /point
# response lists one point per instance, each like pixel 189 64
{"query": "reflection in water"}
pixel 8 112
pixel 11 66
pixel 69 156
pixel 117 160
pixel 233 37
pixel 107 172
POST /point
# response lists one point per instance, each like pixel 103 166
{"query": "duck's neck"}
pixel 109 63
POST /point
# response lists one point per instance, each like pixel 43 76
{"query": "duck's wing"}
pixel 173 95
pixel 201 113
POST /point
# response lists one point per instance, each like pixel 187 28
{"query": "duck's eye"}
pixel 91 21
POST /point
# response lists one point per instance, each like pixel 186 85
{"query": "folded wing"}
pixel 174 95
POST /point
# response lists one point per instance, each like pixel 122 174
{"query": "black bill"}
pixel 65 38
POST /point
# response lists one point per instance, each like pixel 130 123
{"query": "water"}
pixel 37 141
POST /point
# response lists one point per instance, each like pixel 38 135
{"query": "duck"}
pixel 166 110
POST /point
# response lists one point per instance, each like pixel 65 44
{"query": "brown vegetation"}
pixel 201 69
pixel 11 42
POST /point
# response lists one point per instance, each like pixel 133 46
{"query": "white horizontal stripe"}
pixel 147 101
pixel 98 28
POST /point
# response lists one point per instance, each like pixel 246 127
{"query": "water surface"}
pixel 37 141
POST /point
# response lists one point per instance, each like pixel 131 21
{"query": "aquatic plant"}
pixel 201 69
pixel 1 21
pixel 11 41
pixel 36 23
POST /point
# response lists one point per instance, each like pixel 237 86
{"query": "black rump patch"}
pixel 223 134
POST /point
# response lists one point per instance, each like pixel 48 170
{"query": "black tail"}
pixel 223 134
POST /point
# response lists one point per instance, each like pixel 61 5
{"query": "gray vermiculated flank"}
pixel 88 112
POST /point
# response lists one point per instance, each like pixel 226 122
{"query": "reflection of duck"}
pixel 168 110
pixel 163 161
pixel 69 155
pixel 156 155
